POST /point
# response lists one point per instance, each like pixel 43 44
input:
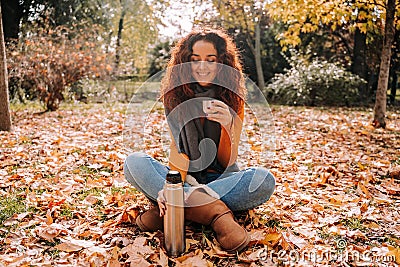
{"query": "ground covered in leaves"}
pixel 64 200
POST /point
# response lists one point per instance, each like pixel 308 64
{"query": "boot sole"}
pixel 241 246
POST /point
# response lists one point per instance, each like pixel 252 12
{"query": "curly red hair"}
pixel 176 86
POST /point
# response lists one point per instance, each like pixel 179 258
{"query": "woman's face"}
pixel 204 62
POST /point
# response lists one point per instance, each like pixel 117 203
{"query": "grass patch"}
pixel 123 190
pixel 396 161
pixel 353 223
pixel 66 212
pixel 33 106
pixel 53 253
pixel 393 240
pixel 323 233
pixel 81 195
pixel 274 223
pixel 10 205
pixel 85 169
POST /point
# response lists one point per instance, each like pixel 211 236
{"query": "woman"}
pixel 204 96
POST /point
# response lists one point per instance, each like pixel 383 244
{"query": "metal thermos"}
pixel 174 218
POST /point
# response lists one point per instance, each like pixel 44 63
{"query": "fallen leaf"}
pixel 163 261
pixel 49 219
pixel 68 247
pixel 363 190
pixel 394 252
pixel 196 260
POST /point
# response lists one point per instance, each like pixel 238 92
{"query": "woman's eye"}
pixel 208 61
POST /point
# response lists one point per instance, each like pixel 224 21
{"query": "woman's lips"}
pixel 203 74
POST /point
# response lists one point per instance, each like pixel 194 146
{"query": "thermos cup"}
pixel 174 218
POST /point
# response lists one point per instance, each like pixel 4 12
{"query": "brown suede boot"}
pixel 207 210
pixel 150 221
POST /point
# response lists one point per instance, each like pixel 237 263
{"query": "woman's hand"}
pixel 161 202
pixel 219 111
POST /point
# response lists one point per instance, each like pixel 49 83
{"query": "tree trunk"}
pixel 256 51
pixel 393 86
pixel 119 36
pixel 5 117
pixel 394 68
pixel 260 73
pixel 359 66
pixel 381 92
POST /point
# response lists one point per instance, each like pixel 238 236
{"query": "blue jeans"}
pixel 242 190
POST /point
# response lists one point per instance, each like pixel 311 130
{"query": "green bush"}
pixel 314 82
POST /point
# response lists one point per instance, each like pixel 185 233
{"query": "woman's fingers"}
pixel 218 107
pixel 161 202
pixel 223 119
pixel 219 112
pixel 162 207
pixel 219 104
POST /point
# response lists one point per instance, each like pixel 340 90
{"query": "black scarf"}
pixel 199 142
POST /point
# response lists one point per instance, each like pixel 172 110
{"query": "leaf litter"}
pixel 66 203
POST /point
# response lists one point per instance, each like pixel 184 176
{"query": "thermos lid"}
pixel 174 177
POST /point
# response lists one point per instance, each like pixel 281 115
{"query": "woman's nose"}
pixel 202 65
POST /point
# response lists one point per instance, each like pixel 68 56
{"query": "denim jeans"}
pixel 242 190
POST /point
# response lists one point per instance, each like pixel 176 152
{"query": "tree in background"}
pixel 395 68
pixel 68 12
pixel 129 26
pixel 52 59
pixel 125 31
pixel 247 17
pixel 381 92
pixel 5 117
pixel 159 57
pixel 363 20
pixel 137 33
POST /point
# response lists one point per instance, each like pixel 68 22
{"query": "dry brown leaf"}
pixel 249 258
pixel 336 200
pixel 91 199
pixel 318 207
pixel 139 246
pixel 189 242
pixel 255 219
pixel 296 240
pixel 392 187
pixel 137 261
pixel 68 247
pixel 49 219
pixel 257 236
pixel 163 261
pixel 288 191
pixel 356 234
pixel 364 207
pixel 362 189
pixel 50 232
pixel 394 252
pixel 193 261
pixel 394 172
